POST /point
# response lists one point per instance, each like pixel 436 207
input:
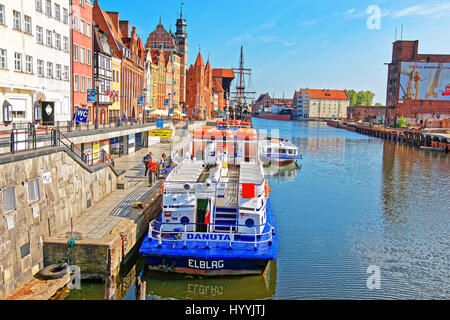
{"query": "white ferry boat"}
pixel 278 151
pixel 216 217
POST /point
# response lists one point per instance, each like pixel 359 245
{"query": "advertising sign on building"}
pixel 140 101
pixel 160 123
pixel 424 81
pixel 163 133
pixel 91 96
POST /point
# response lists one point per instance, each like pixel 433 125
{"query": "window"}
pixel 39 5
pixel 88 30
pixel 28 25
pixel 89 83
pixel 82 55
pixel 49 69
pixel 18 61
pixel 57 12
pixel 34 190
pixel 66 44
pixel 49 38
pixel 66 73
pixel 76 82
pixel 39 35
pixel 65 16
pixel 75 23
pixel 29 64
pixel 2 14
pixel 82 3
pixel 83 84
pixel 48 8
pixel 88 57
pixel 16 20
pixel 58 71
pixel 82 26
pixel 58 41
pixel 3 59
pixel 40 68
pixel 9 199
pixel 75 52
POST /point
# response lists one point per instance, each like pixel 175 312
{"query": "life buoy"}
pixel 162 186
pixel 267 189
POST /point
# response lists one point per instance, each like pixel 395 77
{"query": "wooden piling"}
pixel 139 289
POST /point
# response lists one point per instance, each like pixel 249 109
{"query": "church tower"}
pixel 182 40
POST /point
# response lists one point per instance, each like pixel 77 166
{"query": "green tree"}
pixel 378 104
pixel 361 98
pixel 352 96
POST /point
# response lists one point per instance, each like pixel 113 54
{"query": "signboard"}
pixel 46 177
pixel 81 115
pixel 131 143
pixel 188 236
pixel 424 81
pixel 140 101
pixel 91 95
pixel 166 102
pixel 163 133
pixel 160 123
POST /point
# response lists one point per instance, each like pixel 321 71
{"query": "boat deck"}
pixel 230 197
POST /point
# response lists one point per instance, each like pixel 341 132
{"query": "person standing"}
pixel 146 160
pixel 152 166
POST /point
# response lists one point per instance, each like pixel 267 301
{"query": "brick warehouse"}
pixel 414 109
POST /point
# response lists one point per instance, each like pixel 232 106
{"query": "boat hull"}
pixel 206 267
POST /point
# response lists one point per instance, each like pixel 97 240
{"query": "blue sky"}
pixel 298 43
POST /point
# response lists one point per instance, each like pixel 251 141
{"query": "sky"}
pixel 294 44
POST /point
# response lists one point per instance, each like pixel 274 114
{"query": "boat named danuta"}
pixel 278 151
pixel 216 215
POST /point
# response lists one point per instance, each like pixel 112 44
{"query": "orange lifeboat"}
pixel 247 134
pixel 203 132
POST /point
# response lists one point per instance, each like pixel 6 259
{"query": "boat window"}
pixel 282 150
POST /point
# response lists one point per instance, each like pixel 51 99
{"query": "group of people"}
pixel 152 166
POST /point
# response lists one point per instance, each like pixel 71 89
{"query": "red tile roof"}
pixel 223 73
pixel 326 94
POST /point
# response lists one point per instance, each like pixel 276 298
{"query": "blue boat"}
pixel 217 218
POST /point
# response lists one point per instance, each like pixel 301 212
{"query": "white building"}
pixel 322 103
pixel 35 61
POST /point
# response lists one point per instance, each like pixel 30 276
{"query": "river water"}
pixel 357 202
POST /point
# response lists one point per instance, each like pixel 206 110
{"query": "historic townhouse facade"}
pixel 35 61
pixel 82 55
pixel 323 103
pixel 174 45
pixel 103 76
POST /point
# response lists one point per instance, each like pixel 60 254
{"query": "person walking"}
pixel 146 160
pixel 152 166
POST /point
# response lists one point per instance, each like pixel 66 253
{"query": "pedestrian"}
pixel 146 160
pixel 152 166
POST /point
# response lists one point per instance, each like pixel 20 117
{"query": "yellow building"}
pixel 114 109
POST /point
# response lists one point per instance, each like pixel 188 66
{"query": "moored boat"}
pixel 216 217
pixel 278 151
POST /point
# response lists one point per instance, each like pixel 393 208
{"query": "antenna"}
pixel 401 33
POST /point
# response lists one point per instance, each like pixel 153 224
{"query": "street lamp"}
pixel 97 88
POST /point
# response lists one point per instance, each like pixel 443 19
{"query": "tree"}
pixel 361 98
pixel 352 96
pixel 379 104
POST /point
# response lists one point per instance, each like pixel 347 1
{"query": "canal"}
pixel 356 201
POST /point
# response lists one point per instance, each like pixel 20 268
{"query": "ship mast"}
pixel 241 95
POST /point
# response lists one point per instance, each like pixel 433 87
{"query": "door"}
pixel 202 205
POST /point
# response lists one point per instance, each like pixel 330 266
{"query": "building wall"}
pixel 82 41
pixel 71 191
pixel 114 108
pixel 25 87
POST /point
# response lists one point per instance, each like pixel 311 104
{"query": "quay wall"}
pixel 31 210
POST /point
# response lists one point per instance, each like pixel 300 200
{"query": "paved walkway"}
pixel 101 218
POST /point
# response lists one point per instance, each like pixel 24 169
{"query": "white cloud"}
pixel 425 10
pixel 289 43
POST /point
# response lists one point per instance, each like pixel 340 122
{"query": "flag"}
pixel 208 215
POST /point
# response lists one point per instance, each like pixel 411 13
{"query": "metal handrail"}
pixel 256 241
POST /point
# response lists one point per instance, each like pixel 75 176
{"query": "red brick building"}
pixel 198 90
pixel 82 55
pixel 417 108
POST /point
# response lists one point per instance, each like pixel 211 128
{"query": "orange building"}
pixel 198 89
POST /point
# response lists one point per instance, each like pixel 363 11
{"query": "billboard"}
pixel 424 81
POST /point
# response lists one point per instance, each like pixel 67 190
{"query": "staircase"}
pixel 225 218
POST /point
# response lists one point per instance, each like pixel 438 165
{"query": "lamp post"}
pixel 144 91
pixel 97 88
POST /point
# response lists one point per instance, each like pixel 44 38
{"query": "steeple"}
pixel 199 61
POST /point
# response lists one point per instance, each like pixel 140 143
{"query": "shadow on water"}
pixel 162 285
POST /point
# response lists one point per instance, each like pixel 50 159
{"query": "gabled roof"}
pixel 208 66
pixel 326 94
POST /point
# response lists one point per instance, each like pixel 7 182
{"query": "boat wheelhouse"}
pixel 278 151
pixel 216 217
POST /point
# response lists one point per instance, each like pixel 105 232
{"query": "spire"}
pixel 160 20
pixel 181 10
pixel 199 61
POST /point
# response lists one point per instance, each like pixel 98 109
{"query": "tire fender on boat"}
pixel 54 271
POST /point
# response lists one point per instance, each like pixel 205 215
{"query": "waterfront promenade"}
pixel 107 232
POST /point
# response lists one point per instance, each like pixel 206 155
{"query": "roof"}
pixel 326 94
pixel 199 61
pixel 223 73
